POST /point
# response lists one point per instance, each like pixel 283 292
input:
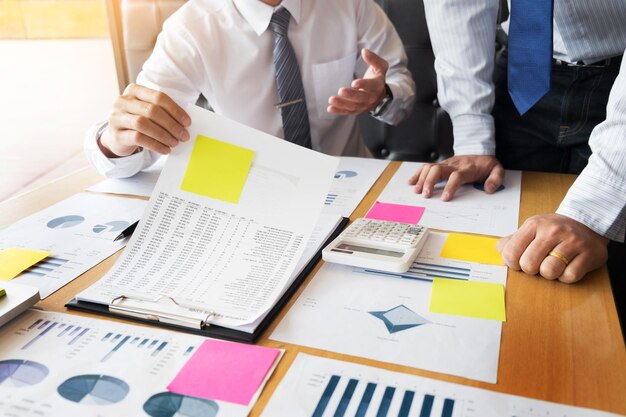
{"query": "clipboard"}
pixel 119 309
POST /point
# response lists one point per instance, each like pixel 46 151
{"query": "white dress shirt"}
pixel 223 50
pixel 598 197
pixel 462 33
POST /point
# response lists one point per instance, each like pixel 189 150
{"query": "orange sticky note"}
pixel 471 248
pixel 13 261
pixel 483 300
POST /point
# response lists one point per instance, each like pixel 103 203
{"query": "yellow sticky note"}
pixel 13 261
pixel 472 248
pixel 482 300
pixel 217 169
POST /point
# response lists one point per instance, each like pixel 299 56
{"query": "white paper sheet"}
pixel 471 210
pixel 346 310
pixel 40 353
pixel 320 387
pixel 228 260
pixel 353 179
pixel 326 224
pixel 79 233
pixel 141 184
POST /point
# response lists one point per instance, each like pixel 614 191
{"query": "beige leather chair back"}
pixel 135 25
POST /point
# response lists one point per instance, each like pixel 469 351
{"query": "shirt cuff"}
pixel 400 107
pixel 474 135
pixel 122 167
pixel 598 204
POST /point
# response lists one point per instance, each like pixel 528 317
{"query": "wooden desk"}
pixel 560 343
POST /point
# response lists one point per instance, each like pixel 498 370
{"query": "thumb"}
pixel 377 64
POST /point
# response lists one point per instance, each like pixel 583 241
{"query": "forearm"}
pixel 462 34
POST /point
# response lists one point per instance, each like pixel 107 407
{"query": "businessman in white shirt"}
pixel 586 42
pixel 350 61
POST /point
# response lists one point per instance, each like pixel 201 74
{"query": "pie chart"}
pixel 94 389
pixel 65 222
pixel 114 226
pixel 21 373
pixel 168 404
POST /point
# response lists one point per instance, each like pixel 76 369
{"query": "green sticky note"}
pixel 2 292
pixel 481 300
pixel 13 261
pixel 217 169
pixel 471 248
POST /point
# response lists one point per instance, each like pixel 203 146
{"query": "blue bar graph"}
pixel 116 338
pixel 365 400
pixel 67 329
pixel 143 342
pixel 107 336
pixel 135 340
pixel 407 400
pixel 76 329
pixel 328 392
pixel 44 324
pixel 34 324
pixel 386 402
pixel 153 344
pixel 427 405
pixel 448 406
pixel 159 349
pixel 40 335
pixel 345 398
pixel 115 349
pixel 78 336
pixel 189 350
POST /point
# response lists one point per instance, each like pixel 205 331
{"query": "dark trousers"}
pixel 553 135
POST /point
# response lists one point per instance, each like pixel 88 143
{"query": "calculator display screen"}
pixel 354 248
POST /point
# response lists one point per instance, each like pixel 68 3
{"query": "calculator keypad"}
pixel 370 230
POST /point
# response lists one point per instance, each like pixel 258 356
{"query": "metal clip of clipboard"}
pixel 172 313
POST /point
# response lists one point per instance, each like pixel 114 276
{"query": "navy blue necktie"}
pixel 292 102
pixel 530 52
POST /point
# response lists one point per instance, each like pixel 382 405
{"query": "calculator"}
pixel 377 244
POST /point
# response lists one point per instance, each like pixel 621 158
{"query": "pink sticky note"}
pixel 224 371
pixel 395 212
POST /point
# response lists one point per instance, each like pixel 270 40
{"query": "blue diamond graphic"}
pixel 399 318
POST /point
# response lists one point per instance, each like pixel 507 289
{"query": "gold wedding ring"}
pixel 559 256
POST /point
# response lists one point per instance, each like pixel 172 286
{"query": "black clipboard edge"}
pixel 217 331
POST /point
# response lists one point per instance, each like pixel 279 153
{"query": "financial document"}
pixel 79 233
pixel 318 387
pixel 471 210
pixel 386 317
pixel 54 364
pixel 353 179
pixel 223 243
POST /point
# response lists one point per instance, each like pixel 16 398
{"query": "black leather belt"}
pixel 605 63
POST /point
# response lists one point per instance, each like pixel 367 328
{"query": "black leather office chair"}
pixel 426 135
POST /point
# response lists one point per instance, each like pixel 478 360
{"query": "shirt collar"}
pixel 259 14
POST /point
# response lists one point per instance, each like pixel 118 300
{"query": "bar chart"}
pixel 322 387
pixel 346 396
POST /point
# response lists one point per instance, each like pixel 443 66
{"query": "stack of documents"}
pixel 224 230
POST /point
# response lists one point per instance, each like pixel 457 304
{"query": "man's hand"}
pixel 366 93
pixel 458 170
pixel 576 248
pixel 145 118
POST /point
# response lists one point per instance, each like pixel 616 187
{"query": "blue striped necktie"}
pixel 292 102
pixel 530 52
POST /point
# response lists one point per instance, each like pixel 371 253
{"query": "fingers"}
pixel 513 248
pixel 146 142
pixel 143 117
pixel 161 99
pixel 415 177
pixel 377 64
pixel 455 180
pixel 369 84
pixel 495 178
pixel 577 249
pixel 351 101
